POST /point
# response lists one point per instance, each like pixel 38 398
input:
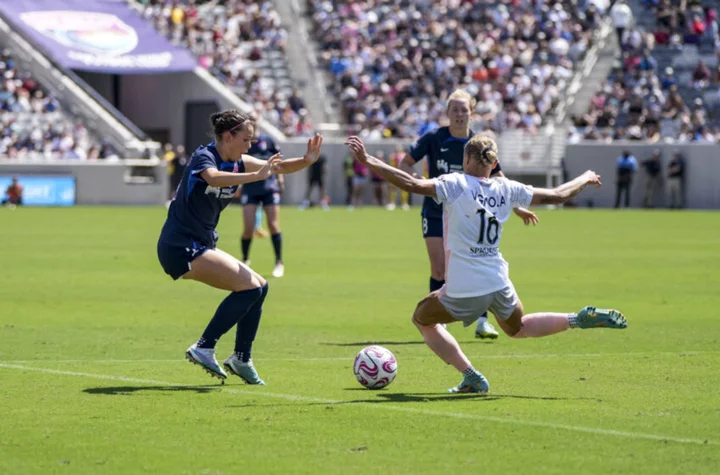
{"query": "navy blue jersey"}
pixel 444 155
pixel 195 209
pixel 262 149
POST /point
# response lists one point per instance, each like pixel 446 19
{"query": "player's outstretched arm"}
pixel 290 165
pixel 218 179
pixel 397 177
pixel 566 191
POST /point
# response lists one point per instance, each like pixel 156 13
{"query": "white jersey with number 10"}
pixel 474 210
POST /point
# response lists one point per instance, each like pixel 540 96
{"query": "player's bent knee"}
pixel 417 323
pixel 419 318
pixel 513 332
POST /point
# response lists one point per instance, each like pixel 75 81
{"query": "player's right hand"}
pixel 593 178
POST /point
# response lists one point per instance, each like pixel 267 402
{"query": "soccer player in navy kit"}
pixel 444 148
pixel 186 247
pixel 267 194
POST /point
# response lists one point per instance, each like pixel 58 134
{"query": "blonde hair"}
pixel 462 95
pixel 483 149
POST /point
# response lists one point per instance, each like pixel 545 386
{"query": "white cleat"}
pixel 279 270
pixel 485 329
pixel 246 371
pixel 247 263
pixel 390 206
pixel 405 207
pixel 205 358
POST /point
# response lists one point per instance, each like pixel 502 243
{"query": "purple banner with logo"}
pixel 100 36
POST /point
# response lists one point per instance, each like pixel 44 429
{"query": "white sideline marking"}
pixel 456 415
pixel 409 357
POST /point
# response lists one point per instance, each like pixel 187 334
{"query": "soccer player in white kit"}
pixel 474 210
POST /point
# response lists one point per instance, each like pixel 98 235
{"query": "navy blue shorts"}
pixel 175 258
pixel 432 227
pixel 266 199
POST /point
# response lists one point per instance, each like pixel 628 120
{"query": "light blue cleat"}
pixel 205 358
pixel 246 371
pixel 472 384
pixel 591 317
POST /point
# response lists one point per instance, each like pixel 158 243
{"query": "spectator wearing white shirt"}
pixel 622 18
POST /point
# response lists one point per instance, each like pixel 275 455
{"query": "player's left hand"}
pixel 527 216
pixel 270 166
pixel 313 148
pixel 357 147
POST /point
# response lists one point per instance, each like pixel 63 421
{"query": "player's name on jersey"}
pixel 490 201
pixel 223 193
pixel 484 251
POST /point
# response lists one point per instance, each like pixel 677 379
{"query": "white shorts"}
pixel 501 303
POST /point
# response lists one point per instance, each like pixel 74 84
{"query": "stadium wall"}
pixel 129 182
pixel 702 169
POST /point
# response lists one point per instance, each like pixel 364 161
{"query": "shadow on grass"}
pixel 430 397
pixel 128 390
pixel 387 397
pixel 395 343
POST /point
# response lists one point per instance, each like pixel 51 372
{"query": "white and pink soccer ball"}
pixel 375 367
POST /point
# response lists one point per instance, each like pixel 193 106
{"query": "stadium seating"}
pixel 34 124
pixel 243 43
pixel 666 84
pixel 395 61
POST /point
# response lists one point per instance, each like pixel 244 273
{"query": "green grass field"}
pixel 93 335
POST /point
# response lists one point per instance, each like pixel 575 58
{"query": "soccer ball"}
pixel 375 367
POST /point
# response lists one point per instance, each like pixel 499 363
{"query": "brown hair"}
pixel 483 149
pixel 230 120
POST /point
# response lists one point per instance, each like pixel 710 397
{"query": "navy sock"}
pixel 245 246
pixel 436 284
pixel 277 245
pixel 247 327
pixel 233 308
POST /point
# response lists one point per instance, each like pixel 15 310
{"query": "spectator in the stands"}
pixel 622 18
pixel 701 75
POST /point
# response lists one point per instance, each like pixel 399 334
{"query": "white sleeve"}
pixel 448 188
pixel 520 194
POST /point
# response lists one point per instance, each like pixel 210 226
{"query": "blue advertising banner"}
pixel 43 190
pixel 100 36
